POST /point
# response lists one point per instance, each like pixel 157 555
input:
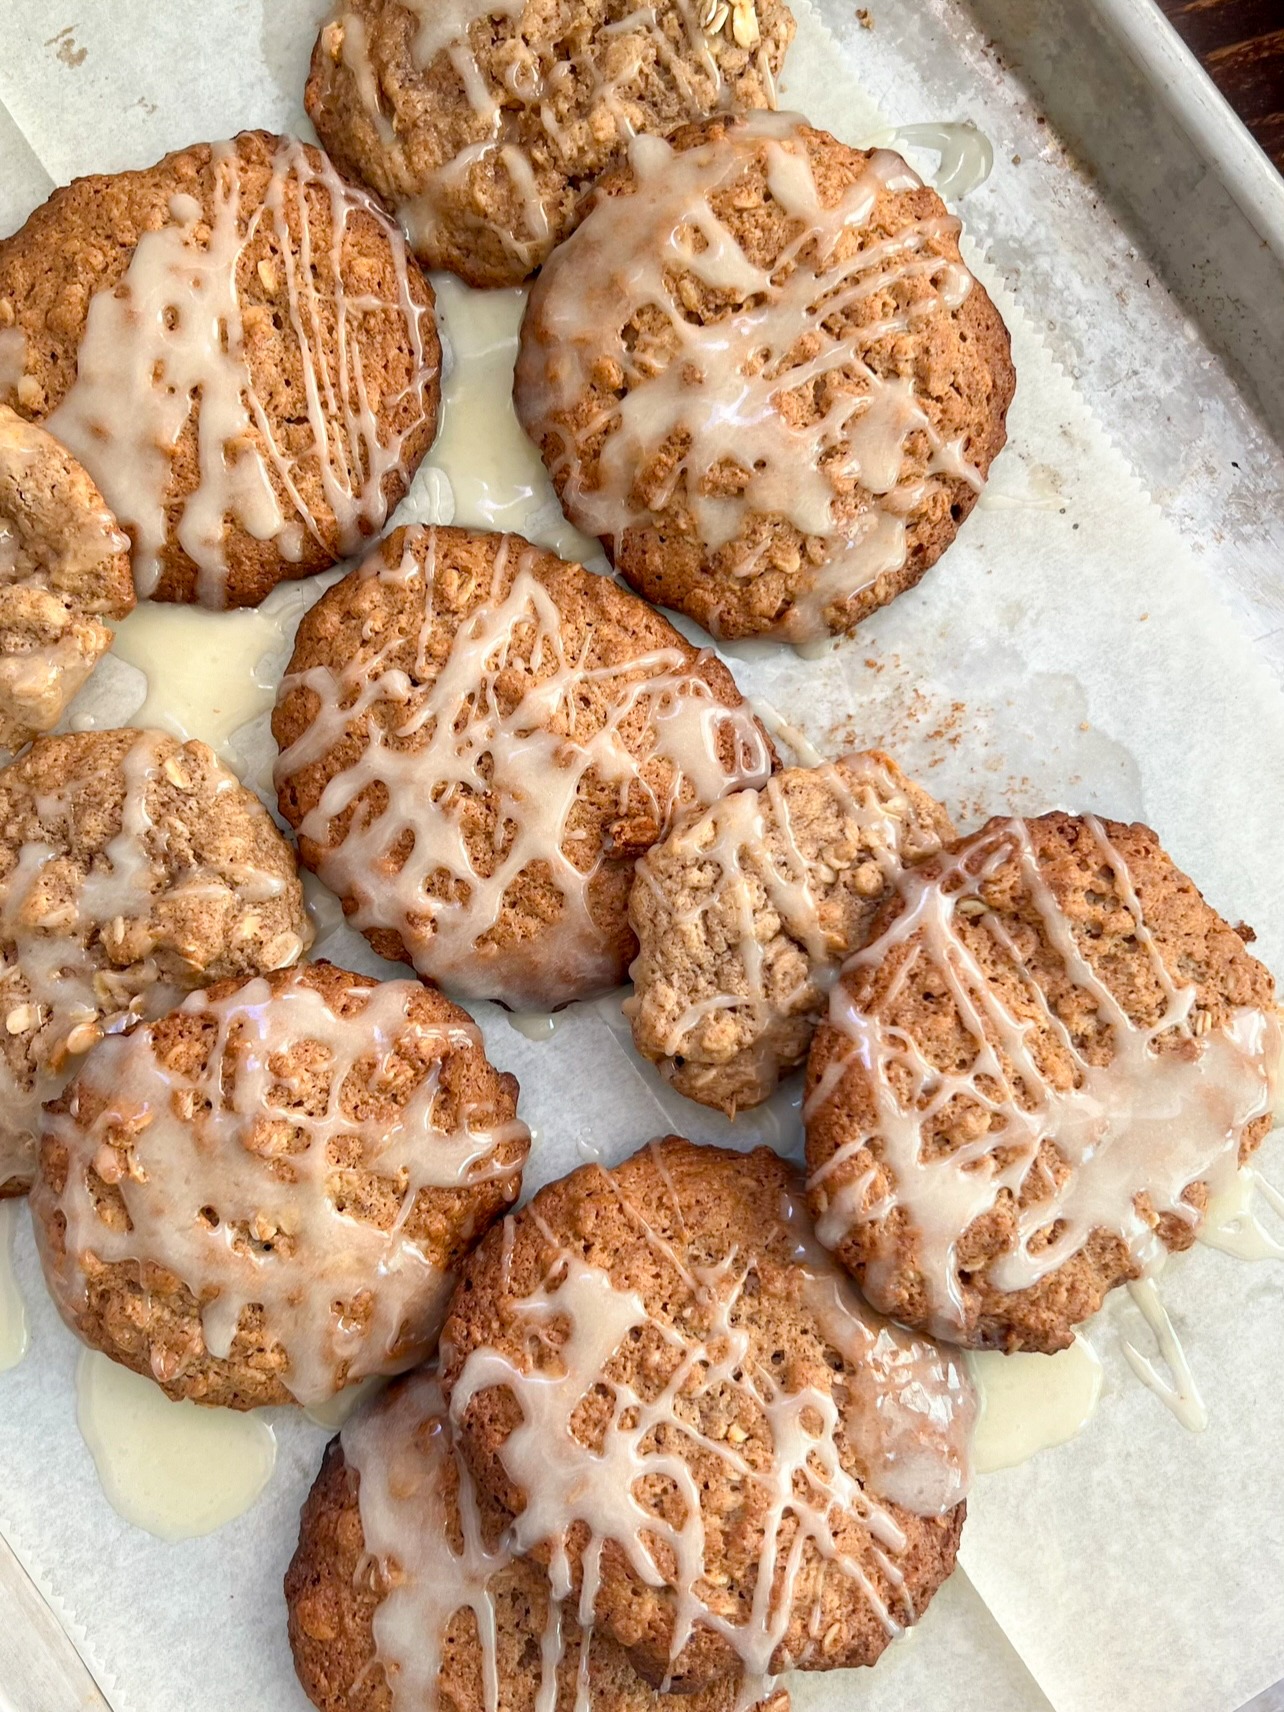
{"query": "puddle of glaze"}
pixel 1232 1224
pixel 1029 1403
pixel 336 1410
pixel 536 1025
pixel 174 1469
pixel 206 671
pixel 1177 1391
pixel 965 155
pixel 495 473
pixel 13 1313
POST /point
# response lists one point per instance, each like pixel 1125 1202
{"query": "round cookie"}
pixel 133 867
pixel 694 1421
pixel 1048 1053
pixel 64 567
pixel 403 1591
pixel 238 347
pixel 479 739
pixel 263 1196
pixel 760 372
pixel 744 912
pixel 482 124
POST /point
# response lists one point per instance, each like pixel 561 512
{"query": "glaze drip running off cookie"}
pixel 64 568
pixel 744 913
pixel 761 374
pixel 481 124
pixel 238 347
pixel 133 867
pixel 263 1196
pixel 697 1425
pixel 478 740
pixel 1032 1078
pixel 405 1596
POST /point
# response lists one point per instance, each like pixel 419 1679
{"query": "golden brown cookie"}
pixel 760 372
pixel 64 567
pixel 744 913
pixel 403 1589
pixel 478 741
pixel 481 127
pixel 133 867
pixel 1048 1053
pixel 237 345
pixel 264 1196
pixel 693 1419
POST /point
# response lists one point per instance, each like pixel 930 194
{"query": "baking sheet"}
pixel 1069 650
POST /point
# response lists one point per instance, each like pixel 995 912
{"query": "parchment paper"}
pixel 1069 650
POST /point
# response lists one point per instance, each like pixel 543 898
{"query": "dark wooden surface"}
pixel 1242 44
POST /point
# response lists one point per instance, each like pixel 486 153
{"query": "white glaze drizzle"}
pixel 1178 1392
pixel 72 972
pixel 719 386
pixel 462 729
pixel 903 1405
pixel 236 1187
pixel 514 122
pixel 754 888
pixel 1232 1223
pixel 175 329
pixel 965 155
pixel 1166 1112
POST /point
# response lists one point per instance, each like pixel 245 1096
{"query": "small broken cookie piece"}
pixel 697 1424
pixel 404 1589
pixel 64 568
pixel 263 1196
pixel 479 739
pixel 744 912
pixel 481 122
pixel 133 867
pixel 761 374
pixel 1049 1053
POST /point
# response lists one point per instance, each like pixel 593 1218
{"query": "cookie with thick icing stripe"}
pixel 477 742
pixel 264 1196
pixel 696 1424
pixel 403 1593
pixel 760 372
pixel 238 347
pixel 483 124
pixel 1049 1052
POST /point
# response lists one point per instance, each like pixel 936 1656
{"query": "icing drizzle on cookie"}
pixel 1127 1138
pixel 744 865
pixel 90 944
pixel 179 335
pixel 901 1404
pixel 503 722
pixel 236 1175
pixel 766 410
pixel 599 71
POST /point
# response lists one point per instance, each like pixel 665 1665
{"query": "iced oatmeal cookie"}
pixel 64 569
pixel 744 912
pixel 695 1422
pixel 264 1195
pixel 1046 1055
pixel 481 124
pixel 404 1591
pixel 477 742
pixel 761 374
pixel 133 867
pixel 238 347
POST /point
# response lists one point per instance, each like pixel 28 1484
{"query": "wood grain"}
pixel 1241 42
